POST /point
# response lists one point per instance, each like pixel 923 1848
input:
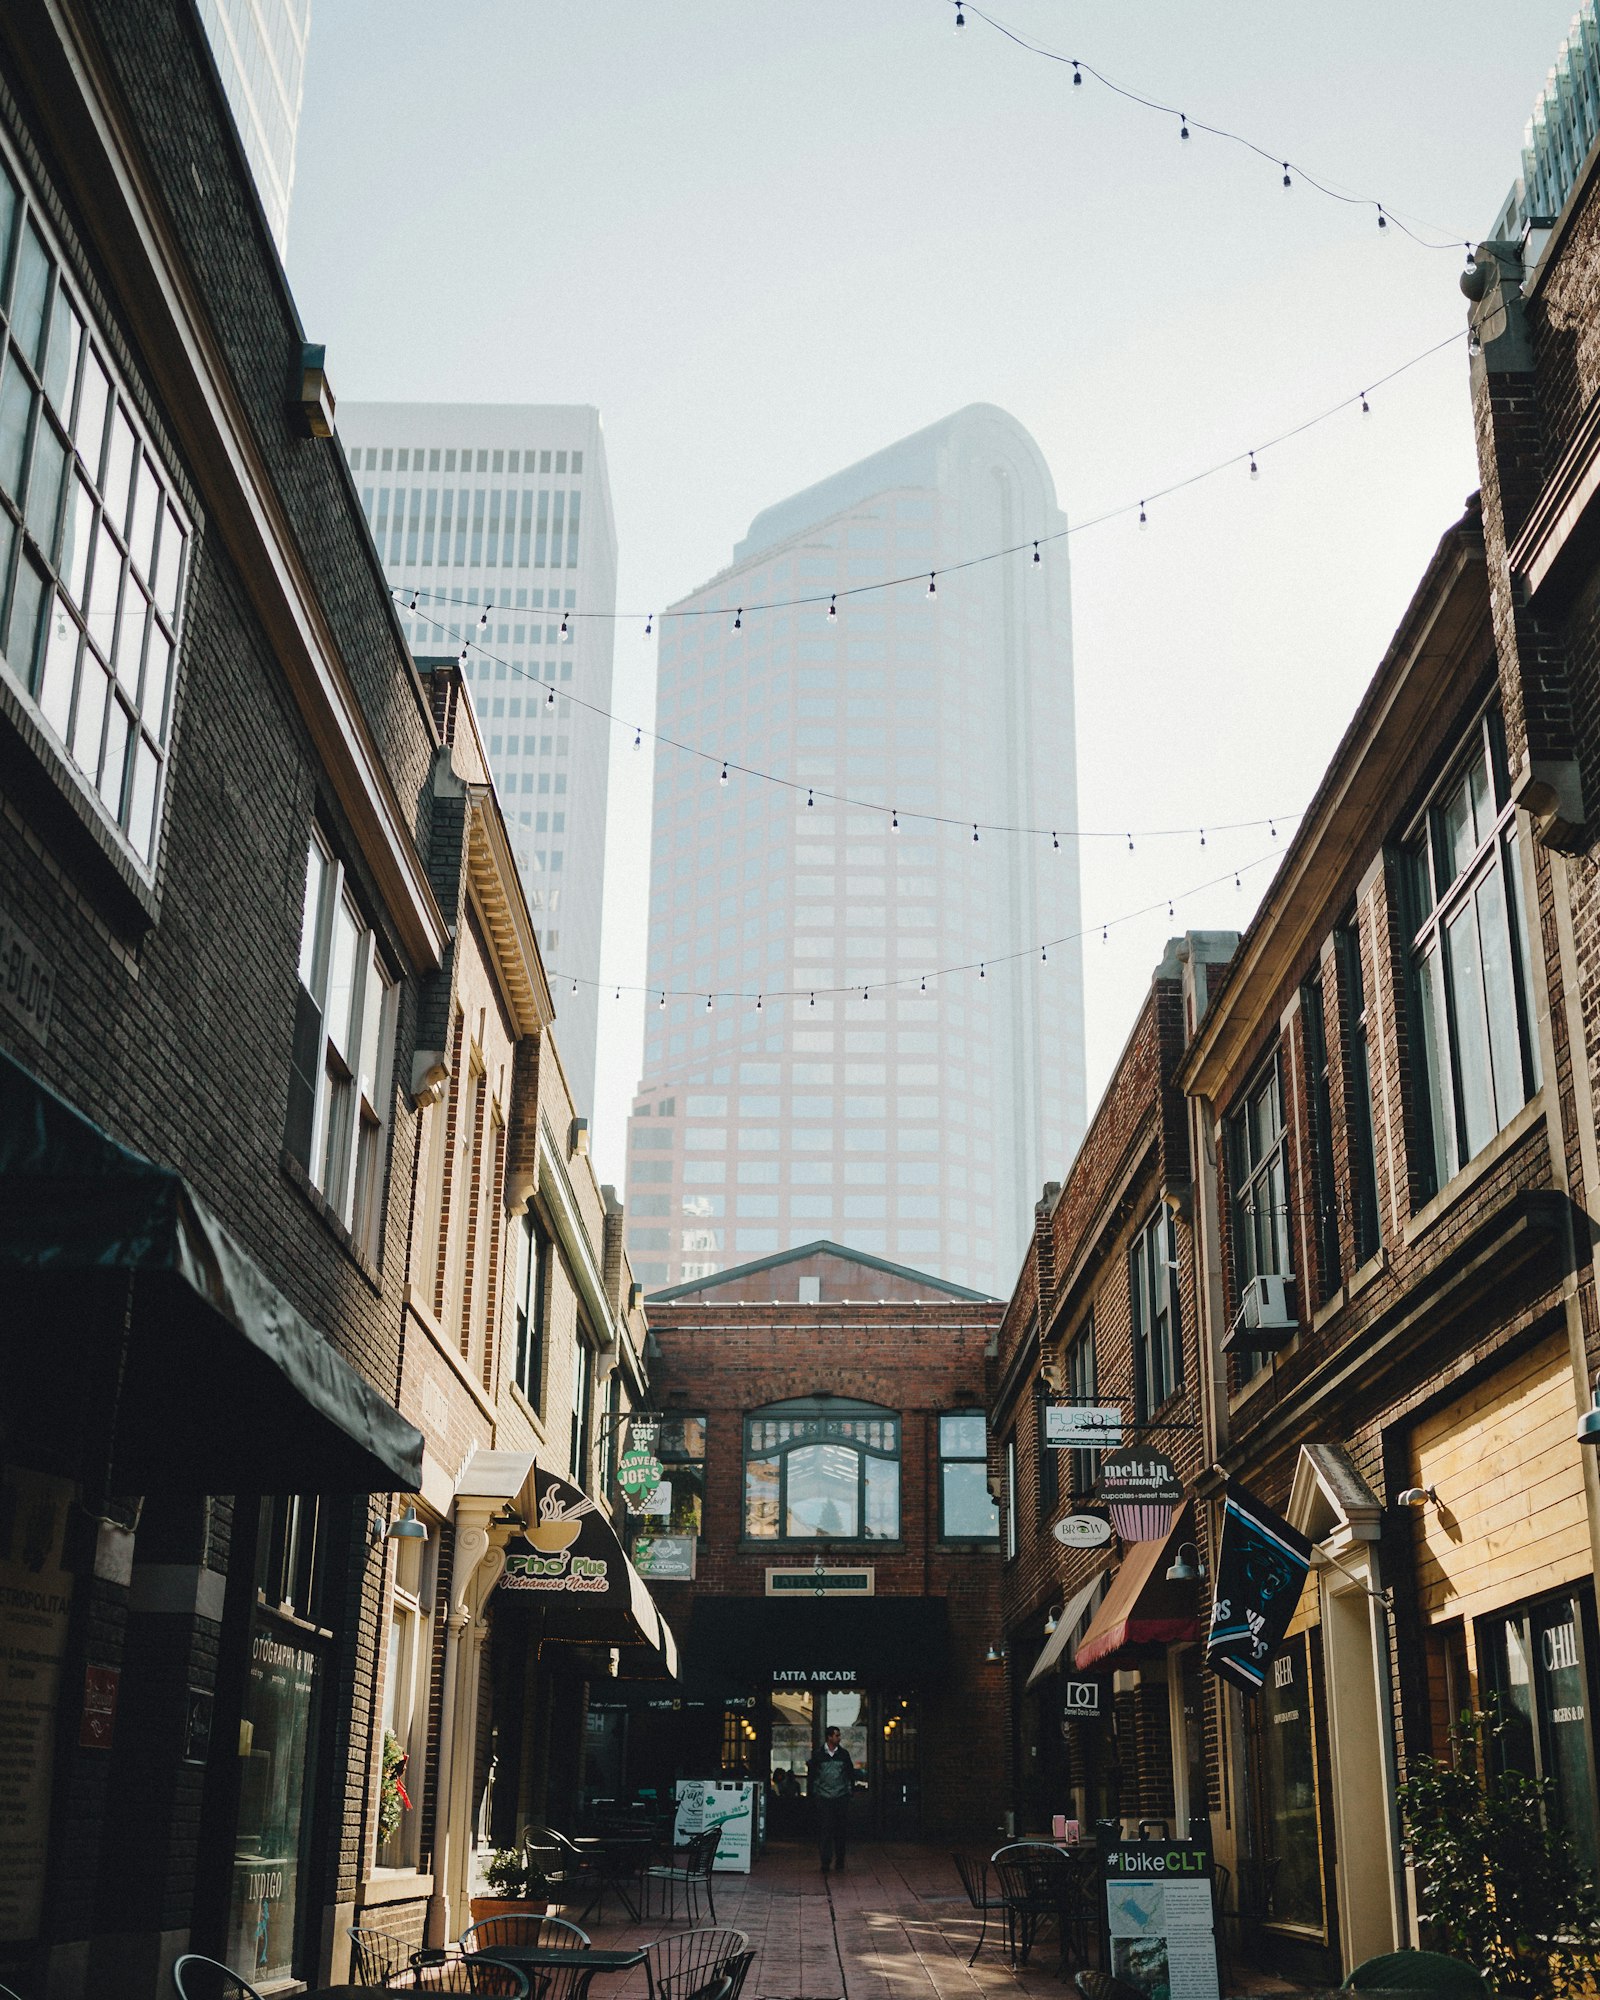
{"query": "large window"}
pixel 1479 1060
pixel 92 540
pixel 405 1692
pixel 1326 1186
pixel 1082 1387
pixel 966 1506
pixel 532 1296
pixel 579 1457
pixel 339 1073
pixel 1539 1660
pixel 822 1468
pixel 1260 1190
pixel 1358 1099
pixel 1153 1297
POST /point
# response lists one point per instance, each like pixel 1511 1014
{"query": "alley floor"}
pixel 896 1925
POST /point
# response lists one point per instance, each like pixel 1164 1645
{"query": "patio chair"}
pixel 1039 1884
pixel 738 1971
pixel 463 1975
pixel 1101 1986
pixel 1221 1880
pixel 692 1963
pixel 198 1978
pixel 1417 1972
pixel 689 1868
pixel 975 1880
pixel 375 1955
pixel 542 1933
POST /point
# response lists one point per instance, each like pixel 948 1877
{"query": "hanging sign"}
pixel 1082 1531
pixel 1082 1426
pixel 1081 1697
pixel 644 1434
pixel 1141 1489
pixel 638 1473
pixel 1261 1568
pixel 1158 1917
pixel 568 1546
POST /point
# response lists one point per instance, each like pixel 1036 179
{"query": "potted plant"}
pixel 1501 1886
pixel 518 1886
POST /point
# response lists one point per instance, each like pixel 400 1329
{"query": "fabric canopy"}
pixel 1055 1647
pixel 569 1572
pixel 141 1341
pixel 1141 1608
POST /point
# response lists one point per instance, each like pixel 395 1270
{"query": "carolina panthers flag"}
pixel 1261 1566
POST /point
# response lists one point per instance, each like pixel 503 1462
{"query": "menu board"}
pixel 1158 1918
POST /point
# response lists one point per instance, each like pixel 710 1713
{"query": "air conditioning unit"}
pixel 1266 1318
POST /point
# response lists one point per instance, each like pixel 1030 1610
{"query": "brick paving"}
pixel 894 1926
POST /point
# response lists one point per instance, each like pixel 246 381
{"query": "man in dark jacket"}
pixel 833 1778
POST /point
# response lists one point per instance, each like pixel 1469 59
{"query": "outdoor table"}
pixel 544 1957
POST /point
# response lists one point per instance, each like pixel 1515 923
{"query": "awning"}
pixel 1141 1608
pixel 138 1331
pixel 568 1576
pixel 735 1644
pixel 1055 1647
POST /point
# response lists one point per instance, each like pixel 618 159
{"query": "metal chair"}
pixel 1101 1986
pixel 738 1972
pixel 375 1955
pixel 687 1963
pixel 463 1975
pixel 691 1867
pixel 975 1880
pixel 1417 1972
pixel 196 1977
pixel 542 1933
pixel 1220 1882
pixel 1039 1884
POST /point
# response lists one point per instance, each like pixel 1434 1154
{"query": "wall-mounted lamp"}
pixel 1180 1571
pixel 1589 1422
pixel 1416 1496
pixel 508 1517
pixel 1050 1623
pixel 993 1657
pixel 408 1528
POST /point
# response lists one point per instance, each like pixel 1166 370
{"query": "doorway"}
pixel 880 1733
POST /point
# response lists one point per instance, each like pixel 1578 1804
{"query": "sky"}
pixel 768 237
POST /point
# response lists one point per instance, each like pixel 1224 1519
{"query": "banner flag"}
pixel 1261 1567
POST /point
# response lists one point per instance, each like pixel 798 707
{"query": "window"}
pixel 1288 1803
pixel 1011 1495
pixel 532 1298
pixel 678 1504
pixel 1326 1184
pixel 1260 1190
pixel 1049 1467
pixel 578 1458
pixel 1540 1661
pixel 1082 1378
pixel 1358 1092
pixel 966 1506
pixel 339 1065
pixel 1153 1299
pixel 1469 960
pixel 92 540
pixel 822 1468
pixel 405 1691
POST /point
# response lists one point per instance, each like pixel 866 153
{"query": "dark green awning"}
pixel 135 1326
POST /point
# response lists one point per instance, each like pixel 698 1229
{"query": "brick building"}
pixel 1381 1083
pixel 823 1427
pixel 1102 1659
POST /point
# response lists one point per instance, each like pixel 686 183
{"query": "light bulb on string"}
pixel 618 994
pixel 1236 882
pixel 863 993
pixel 649 621
pixel 813 999
pixel 738 618
pixel 1383 220
pixel 1183 124
pixel 974 834
pixel 663 1000
pixel 724 778
pixel 461 657
pixel 1077 74
pixel 413 604
pixel 708 1003
pixel 483 618
pixel 933 587
pixel 1055 841
pixel 1472 258
pixel 833 609
pixel 550 696
pixel 1172 914
pixel 1366 407
pixel 1130 843
pixel 961 19
pixel 1272 828
pixel 564 632
pixel 1255 470
pixel 758 1003
pixel 1044 956
pixel 810 799
pixel 574 986
pixel 1286 173
pixel 638 736
pixel 924 982
pixel 982 974
pixel 1105 934
pixel 1474 339
pixel 1144 518
pixel 1202 836
pixel 1037 558
pixel 894 819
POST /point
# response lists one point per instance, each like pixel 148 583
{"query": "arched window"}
pixel 822 1468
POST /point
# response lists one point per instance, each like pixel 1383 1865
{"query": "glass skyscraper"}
pixel 506 508
pixel 919 1122
pixel 260 47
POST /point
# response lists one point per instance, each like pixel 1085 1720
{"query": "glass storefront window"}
pixel 1538 1662
pixel 822 1468
pixel 1291 1846
pixel 275 1740
pixel 793 1721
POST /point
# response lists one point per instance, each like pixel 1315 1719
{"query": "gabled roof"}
pixel 821 1248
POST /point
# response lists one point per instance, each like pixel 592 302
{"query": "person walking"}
pixel 833 1775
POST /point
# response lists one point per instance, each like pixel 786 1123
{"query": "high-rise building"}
pixel 505 509
pixel 918 1122
pixel 260 47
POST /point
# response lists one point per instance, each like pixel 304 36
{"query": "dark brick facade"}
pixel 732 1344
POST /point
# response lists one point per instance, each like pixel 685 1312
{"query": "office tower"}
pixel 917 1123
pixel 260 47
pixel 506 508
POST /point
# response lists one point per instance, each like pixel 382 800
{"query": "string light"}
pixel 1366 407
pixel 413 604
pixel 1044 956
pixel 550 696
pixel 1144 520
pixel 638 736
pixel 1055 839
pixel 1450 238
pixel 483 618
pixel 982 974
pixel 933 588
pixel 738 618
pixel 649 622
pixel 724 778
pixel 708 1003
pixel 833 608
pixel 1255 470
pixel 663 1000
pixel 758 1003
pixel 974 835
pixel 894 819
pixel 810 796
pixel 1130 843
pixel 1037 558
pixel 564 632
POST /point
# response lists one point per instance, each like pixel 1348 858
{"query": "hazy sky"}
pixel 766 237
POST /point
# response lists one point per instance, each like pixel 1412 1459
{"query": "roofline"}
pixel 822 1247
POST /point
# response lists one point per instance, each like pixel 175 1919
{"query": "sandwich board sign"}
pixel 1158 1917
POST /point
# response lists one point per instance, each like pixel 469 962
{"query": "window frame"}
pixel 949 1458
pixel 1529 1613
pixel 1157 1336
pixel 1012 1537
pixel 1324 1169
pixel 1435 904
pixel 75 645
pixel 822 1417
pixel 580 1449
pixel 530 1305
pixel 1247 1177
pixel 1082 1371
pixel 1361 1126
pixel 346 1124
pixel 407 1688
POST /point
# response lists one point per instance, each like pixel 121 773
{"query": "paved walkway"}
pixel 895 1926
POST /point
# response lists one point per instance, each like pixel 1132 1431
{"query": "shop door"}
pixel 899 1788
pixel 879 1732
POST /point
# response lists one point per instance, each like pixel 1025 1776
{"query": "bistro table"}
pixel 532 1958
